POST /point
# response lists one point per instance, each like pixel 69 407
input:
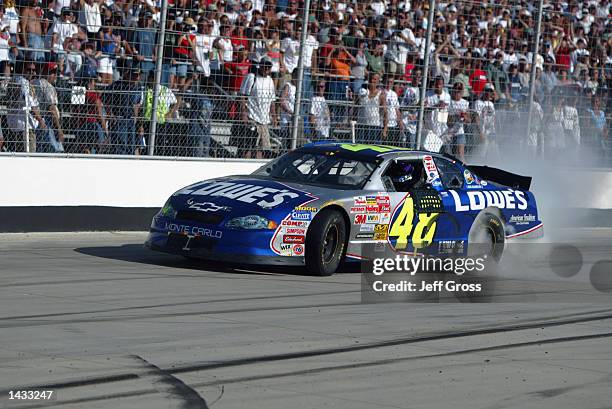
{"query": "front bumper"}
pixel 212 243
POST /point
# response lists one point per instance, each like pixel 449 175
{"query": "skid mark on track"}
pixel 169 385
pixel 313 371
pixel 152 306
pixel 353 348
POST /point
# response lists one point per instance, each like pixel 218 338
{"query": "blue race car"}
pixel 320 204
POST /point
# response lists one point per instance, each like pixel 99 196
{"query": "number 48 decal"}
pixel 401 231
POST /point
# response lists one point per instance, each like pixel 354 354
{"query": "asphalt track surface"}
pixel 105 323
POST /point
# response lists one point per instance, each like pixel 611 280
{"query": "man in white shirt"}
pixel 90 17
pixel 436 102
pixel 310 62
pixel 258 107
pixel 458 112
pixel 290 49
pixel 485 119
pixel 394 116
pixel 319 113
pixel 202 47
pixel 287 107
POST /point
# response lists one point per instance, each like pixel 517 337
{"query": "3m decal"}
pixel 361 218
pixel 404 229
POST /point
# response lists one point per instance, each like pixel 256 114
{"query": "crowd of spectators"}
pixel 363 64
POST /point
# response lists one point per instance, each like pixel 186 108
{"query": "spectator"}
pixel 554 138
pixel 310 62
pixel 24 123
pixel 31 31
pixel 319 113
pixel 167 103
pixel 237 70
pixel 359 67
pixel 5 48
pixel 290 47
pixel 145 44
pixel 339 61
pixel 287 107
pixel 373 115
pixel 226 51
pixel 459 114
pixel 126 99
pixel 199 115
pixel 596 124
pixel 183 53
pixel 374 55
pixel 484 111
pixel 48 105
pixel 394 116
pixel 202 49
pixel 110 44
pixel 258 107
pixel 90 17
pixel 92 134
pixel 436 120
pixel 63 32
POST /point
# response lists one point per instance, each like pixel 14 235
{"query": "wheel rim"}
pixel 330 243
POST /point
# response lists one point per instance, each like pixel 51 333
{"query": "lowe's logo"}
pixel 478 200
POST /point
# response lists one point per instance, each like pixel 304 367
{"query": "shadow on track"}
pixel 137 253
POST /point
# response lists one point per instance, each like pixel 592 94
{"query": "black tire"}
pixel 325 243
pixel 486 240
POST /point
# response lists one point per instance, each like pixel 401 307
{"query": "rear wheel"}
pixel 485 241
pixel 325 243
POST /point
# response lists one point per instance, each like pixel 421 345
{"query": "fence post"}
pixel 158 72
pixel 297 105
pixel 532 76
pixel 423 91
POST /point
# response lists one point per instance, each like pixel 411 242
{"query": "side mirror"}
pixel 455 183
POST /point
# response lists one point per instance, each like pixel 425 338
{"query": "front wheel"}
pixel 325 243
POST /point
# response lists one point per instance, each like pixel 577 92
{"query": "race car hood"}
pixel 242 196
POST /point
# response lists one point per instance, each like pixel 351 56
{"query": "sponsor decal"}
pixel 372 218
pixel 360 218
pixel 294 223
pixel 366 227
pixel 433 177
pixel 406 229
pixel 285 247
pixel 193 230
pixel 306 209
pixel 383 199
pixel 522 219
pixel 483 183
pixel 298 249
pixel 364 235
pixel 381 228
pixel 380 236
pixel 301 215
pixel 450 246
pixel 294 230
pixel 358 209
pixel 266 197
pixel 385 208
pixel 359 201
pixel 478 200
pixel 206 206
pixel 293 239
pixel 372 208
pixel 385 218
pixel 469 178
pixel 371 200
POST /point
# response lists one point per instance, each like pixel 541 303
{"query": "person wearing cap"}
pixel 62 34
pixel 258 109
pixel 183 53
pixel 44 87
pixel 458 115
pixel 203 48
pixel 484 117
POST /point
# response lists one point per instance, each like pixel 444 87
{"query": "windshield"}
pixel 319 168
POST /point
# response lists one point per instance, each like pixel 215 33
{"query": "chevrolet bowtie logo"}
pixel 206 206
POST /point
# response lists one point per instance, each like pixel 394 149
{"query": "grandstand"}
pixel 82 76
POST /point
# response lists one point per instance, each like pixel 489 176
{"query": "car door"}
pixel 417 206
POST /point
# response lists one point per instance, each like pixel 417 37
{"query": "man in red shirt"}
pixel 478 77
pixel 237 69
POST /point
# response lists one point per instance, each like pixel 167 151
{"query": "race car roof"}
pixel 362 150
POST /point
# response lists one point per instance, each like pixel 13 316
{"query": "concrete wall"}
pixel 50 193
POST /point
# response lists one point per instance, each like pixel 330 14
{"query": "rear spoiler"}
pixel 502 177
